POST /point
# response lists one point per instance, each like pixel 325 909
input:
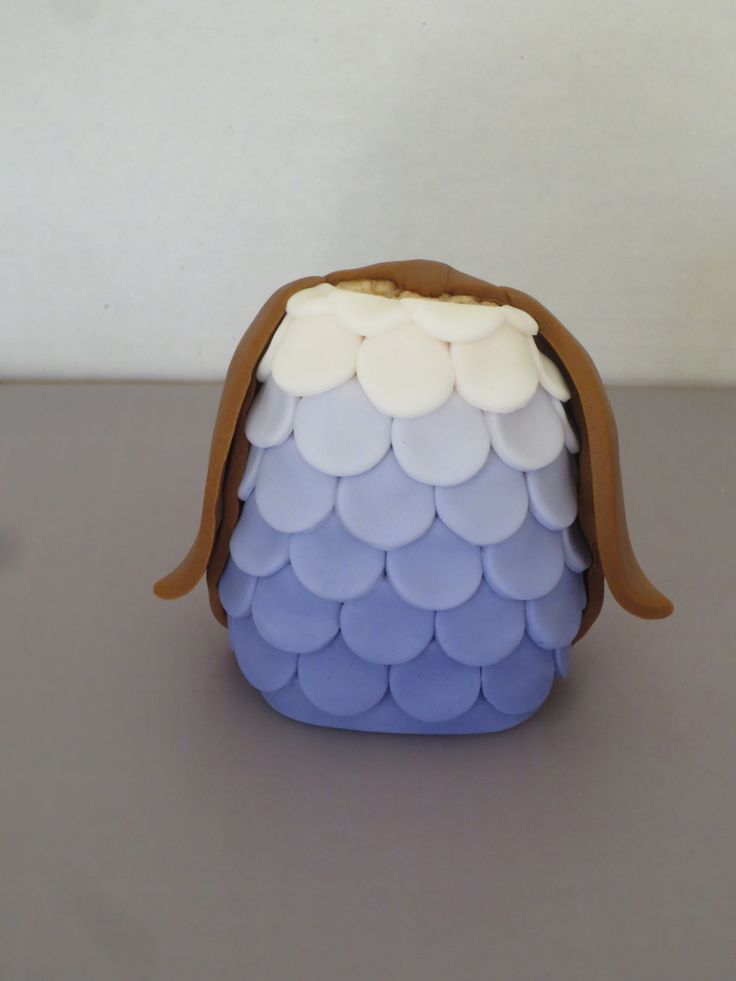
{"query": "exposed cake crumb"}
pixel 388 289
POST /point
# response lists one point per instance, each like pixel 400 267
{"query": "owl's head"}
pixel 495 347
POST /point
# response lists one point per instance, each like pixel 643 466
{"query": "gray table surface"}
pixel 158 821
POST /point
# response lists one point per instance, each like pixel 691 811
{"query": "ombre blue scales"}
pixel 411 576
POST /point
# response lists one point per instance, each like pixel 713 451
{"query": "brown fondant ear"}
pixel 602 512
pixel 601 495
pixel 236 396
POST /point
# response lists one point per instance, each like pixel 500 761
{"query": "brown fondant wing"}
pixel 602 512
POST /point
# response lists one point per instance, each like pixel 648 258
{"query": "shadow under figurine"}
pixel 412 501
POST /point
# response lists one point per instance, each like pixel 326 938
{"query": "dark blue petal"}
pixel 483 630
pixel 522 681
pixel 255 546
pixel 526 565
pixel 337 681
pixel 382 628
pixel 333 564
pixel 291 618
pixel 437 572
pixel 433 687
pixel 265 667
pixel 553 620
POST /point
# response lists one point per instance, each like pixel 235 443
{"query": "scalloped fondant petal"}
pixel 291 495
pixel 270 418
pixel 404 372
pixel 315 355
pixel 341 432
pixel 460 322
pixel 553 620
pixel 498 373
pixel 382 628
pixel 528 564
pixel 550 377
pixel 489 507
pixel 553 492
pixel 562 658
pixel 255 546
pixel 433 687
pixel 252 465
pixel 266 363
pixel 337 681
pixel 311 301
pixel 577 552
pixel 529 438
pixel 571 437
pixel 522 681
pixel 444 447
pixel 384 506
pixel 291 618
pixel 366 314
pixel 334 565
pixel 482 630
pixel 265 667
pixel 436 572
pixel 236 590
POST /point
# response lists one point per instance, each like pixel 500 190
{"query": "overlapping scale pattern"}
pixel 405 573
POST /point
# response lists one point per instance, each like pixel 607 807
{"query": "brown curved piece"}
pixel 602 512
pixel 238 381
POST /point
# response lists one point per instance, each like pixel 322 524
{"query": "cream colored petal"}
pixel 404 372
pixel 519 319
pixel 365 313
pixel 462 322
pixel 315 356
pixel 498 373
pixel 311 301
pixel 453 321
pixel 550 376
pixel 264 365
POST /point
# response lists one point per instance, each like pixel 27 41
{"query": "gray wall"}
pixel 165 166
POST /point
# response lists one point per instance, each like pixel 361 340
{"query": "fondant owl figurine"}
pixel 412 501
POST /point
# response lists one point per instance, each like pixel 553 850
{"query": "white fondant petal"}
pixel 271 416
pixel 366 314
pixel 311 301
pixel 264 365
pixel 529 438
pixel 404 372
pixel 550 377
pixel 498 373
pixel 457 322
pixel 519 319
pixel 315 355
pixel 462 322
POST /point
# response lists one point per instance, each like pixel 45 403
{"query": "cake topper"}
pixel 412 501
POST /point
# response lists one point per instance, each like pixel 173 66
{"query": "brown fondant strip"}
pixel 237 382
pixel 602 512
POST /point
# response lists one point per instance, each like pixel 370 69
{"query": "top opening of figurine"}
pixel 389 290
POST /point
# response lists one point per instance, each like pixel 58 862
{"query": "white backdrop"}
pixel 166 165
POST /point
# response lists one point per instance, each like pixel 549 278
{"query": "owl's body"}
pixel 407 557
